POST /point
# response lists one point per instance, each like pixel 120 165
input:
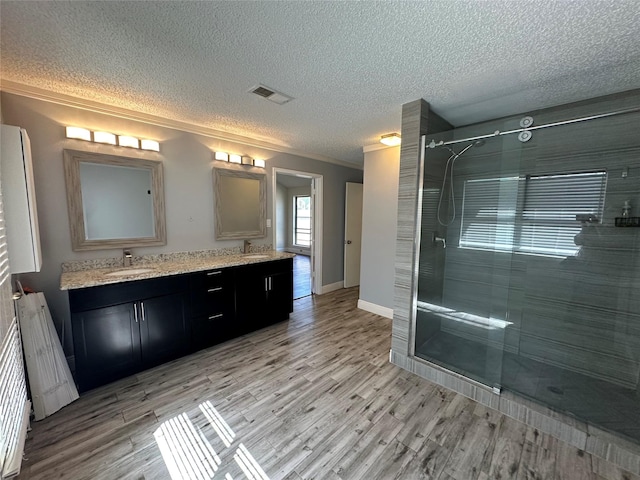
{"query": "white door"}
pixel 352 234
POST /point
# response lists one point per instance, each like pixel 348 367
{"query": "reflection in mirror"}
pixel 129 214
pixel 114 202
pixel 240 198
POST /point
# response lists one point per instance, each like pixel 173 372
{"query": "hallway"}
pixel 301 276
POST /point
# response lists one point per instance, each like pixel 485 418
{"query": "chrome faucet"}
pixel 247 246
pixel 126 258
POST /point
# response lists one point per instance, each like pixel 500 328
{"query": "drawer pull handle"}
pixel 213 317
pixel 217 289
pixel 214 273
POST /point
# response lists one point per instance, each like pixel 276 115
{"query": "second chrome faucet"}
pixel 126 258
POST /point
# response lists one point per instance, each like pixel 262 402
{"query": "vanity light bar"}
pixel 150 145
pixel 127 141
pixel 104 137
pixel 79 133
pixel 240 159
pixel 112 139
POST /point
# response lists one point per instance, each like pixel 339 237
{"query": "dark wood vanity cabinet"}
pixel 264 293
pixel 124 328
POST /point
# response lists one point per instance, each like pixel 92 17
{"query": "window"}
pixel 535 214
pixel 302 220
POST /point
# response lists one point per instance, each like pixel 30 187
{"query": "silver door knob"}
pixel 348 242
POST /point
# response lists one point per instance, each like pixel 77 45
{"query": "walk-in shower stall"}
pixel 528 258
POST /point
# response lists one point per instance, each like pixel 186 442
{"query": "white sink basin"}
pixel 256 256
pixel 128 271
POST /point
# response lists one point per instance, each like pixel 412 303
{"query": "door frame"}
pixel 316 213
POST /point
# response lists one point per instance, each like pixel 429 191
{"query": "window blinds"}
pixel 533 214
pixel 14 406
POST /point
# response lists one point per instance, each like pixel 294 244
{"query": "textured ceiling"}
pixel 349 65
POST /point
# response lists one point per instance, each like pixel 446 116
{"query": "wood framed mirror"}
pixel 241 203
pixel 114 201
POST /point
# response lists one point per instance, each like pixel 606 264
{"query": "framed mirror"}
pixel 241 203
pixel 113 201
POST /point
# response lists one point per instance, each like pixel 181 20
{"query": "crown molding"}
pixel 377 146
pixel 119 112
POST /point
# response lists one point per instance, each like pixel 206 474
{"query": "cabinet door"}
pixel 251 298
pixel 280 296
pixel 164 330
pixel 264 293
pixel 107 344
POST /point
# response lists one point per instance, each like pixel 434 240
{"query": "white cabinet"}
pixel 19 200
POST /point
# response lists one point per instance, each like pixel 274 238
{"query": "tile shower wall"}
pixel 579 314
pixel 541 412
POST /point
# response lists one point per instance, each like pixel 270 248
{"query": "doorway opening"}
pixel 297 226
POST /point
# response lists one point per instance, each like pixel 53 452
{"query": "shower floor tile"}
pixel 596 401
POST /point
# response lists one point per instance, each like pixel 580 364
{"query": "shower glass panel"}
pixel 537 288
pixel 469 193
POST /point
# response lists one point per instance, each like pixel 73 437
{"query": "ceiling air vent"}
pixel 270 94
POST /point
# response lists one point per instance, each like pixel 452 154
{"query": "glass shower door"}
pixel 469 192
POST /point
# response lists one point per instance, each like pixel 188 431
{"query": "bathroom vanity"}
pixel 125 323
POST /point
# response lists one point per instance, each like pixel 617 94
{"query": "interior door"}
pixel 352 234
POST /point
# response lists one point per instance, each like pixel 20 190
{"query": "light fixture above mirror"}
pixel 239 159
pixel 112 139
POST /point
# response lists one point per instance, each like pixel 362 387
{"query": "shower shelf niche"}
pixel 627 221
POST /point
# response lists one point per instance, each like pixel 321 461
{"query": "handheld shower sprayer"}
pixel 451 161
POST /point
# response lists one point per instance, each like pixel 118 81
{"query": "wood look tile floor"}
pixel 311 398
pixel 301 276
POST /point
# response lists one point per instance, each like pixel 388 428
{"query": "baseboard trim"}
pixel 374 308
pixel 332 287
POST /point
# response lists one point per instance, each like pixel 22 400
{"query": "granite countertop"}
pixel 100 276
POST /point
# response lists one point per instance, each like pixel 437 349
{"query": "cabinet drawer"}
pixel 208 330
pixel 211 293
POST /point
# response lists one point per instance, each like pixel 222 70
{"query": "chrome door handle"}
pixel 270 288
pixel 217 289
pixel 135 312
pixel 213 317
pixel 142 310
pixel 214 273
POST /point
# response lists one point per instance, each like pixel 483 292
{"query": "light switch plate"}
pixel 268 223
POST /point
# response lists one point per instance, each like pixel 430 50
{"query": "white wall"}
pixel 379 217
pixel 187 162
